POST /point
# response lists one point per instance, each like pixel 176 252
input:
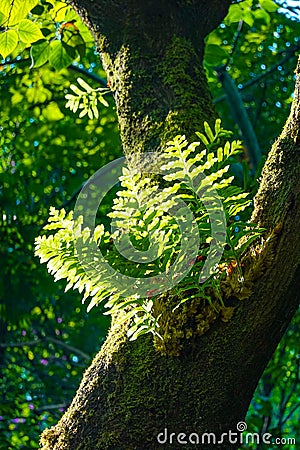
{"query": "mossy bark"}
pixel 153 53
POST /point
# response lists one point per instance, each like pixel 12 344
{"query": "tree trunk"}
pixel 152 52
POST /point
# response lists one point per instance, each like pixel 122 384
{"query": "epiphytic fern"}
pixel 146 237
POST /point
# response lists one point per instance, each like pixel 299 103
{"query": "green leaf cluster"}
pixel 249 11
pixel 259 46
pixel 50 30
pixel 16 28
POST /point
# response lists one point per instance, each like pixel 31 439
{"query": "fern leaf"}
pixel 209 132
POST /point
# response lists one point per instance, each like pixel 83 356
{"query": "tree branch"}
pixel 265 74
pixel 68 347
pixel 91 75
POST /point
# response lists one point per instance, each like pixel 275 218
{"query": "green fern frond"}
pixel 142 219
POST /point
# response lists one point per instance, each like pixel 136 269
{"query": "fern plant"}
pixel 148 249
pixel 86 99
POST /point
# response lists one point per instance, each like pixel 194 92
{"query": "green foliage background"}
pixel 47 152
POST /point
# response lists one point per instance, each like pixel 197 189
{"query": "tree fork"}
pixel 130 393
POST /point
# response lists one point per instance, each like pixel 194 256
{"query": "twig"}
pixel 91 75
pixel 20 344
pixel 49 339
pixel 47 407
pixel 68 347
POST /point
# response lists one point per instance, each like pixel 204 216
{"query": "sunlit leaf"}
pixel 29 32
pixel 8 42
pixel 2 18
pixel 39 54
pixel 16 10
pixel 58 57
pixel 269 5
pixel 214 54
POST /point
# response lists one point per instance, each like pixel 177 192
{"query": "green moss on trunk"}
pixel 152 53
pixel 159 96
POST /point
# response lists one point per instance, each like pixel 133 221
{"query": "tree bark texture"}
pixel 152 52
